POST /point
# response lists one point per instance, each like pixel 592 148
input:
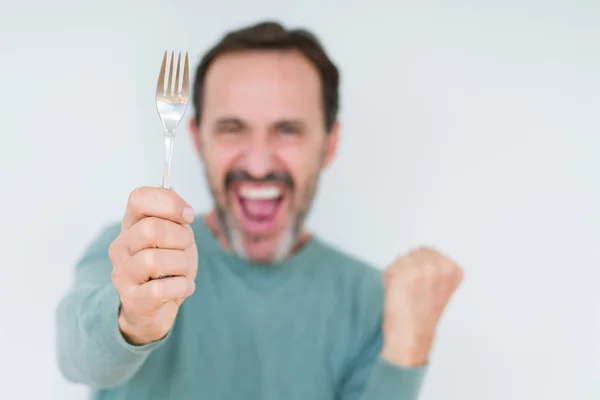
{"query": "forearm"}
pixel 91 349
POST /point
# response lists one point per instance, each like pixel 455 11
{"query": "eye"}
pixel 288 129
pixel 233 129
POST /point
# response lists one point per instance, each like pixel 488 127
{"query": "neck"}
pixel 212 222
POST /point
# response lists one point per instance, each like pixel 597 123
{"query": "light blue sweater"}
pixel 307 329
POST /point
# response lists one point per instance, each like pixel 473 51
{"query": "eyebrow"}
pixel 228 121
pixel 290 122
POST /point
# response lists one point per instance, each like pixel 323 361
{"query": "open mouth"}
pixel 259 206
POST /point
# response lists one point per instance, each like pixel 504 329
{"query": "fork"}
pixel 171 103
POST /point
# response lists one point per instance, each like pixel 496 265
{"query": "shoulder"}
pixel 360 281
pixel 344 263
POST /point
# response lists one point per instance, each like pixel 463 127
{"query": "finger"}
pixel 430 265
pixel 434 256
pixel 439 261
pixel 117 251
pixel 154 294
pixel 422 257
pixel 153 263
pixel 153 232
pixel 156 202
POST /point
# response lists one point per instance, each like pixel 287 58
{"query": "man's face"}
pixel 263 140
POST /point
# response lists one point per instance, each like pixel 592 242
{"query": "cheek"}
pixel 217 161
pixel 301 163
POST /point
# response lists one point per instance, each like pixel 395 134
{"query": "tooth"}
pixel 260 193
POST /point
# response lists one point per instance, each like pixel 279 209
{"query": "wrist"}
pixel 127 332
pixel 408 352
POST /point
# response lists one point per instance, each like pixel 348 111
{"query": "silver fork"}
pixel 171 102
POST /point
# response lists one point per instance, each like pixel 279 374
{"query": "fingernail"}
pixel 188 214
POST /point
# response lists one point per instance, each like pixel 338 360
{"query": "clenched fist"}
pixel 155 261
pixel 418 286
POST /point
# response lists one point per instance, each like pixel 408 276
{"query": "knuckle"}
pixel 151 258
pixel 181 259
pixel 188 270
pixel 179 263
pixel 191 270
pixel 136 197
pixel 443 272
pixel 449 269
pixel 459 274
pixel 115 275
pixel 446 267
pixel 152 229
pixel 189 237
pixel 156 290
pixel 191 267
pixel 127 297
pixel 175 206
pixel 178 287
pixel 119 281
pixel 113 250
pixel 178 236
pixel 150 261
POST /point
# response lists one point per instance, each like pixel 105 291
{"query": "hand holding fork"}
pixel 155 258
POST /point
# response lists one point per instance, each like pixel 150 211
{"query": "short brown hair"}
pixel 271 35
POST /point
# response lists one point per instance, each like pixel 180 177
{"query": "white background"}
pixel 469 127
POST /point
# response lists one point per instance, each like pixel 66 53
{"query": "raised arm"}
pixel 391 363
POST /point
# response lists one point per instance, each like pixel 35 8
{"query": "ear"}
pixel 195 132
pixel 331 143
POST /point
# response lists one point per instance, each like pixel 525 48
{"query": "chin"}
pixel 262 255
pixel 264 249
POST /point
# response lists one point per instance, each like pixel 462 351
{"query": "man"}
pixel 243 303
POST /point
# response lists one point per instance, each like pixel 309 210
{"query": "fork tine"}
pixel 169 88
pixel 160 85
pixel 185 89
pixel 176 91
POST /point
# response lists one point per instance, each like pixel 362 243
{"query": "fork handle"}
pixel 169 143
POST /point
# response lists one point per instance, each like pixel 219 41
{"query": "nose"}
pixel 258 158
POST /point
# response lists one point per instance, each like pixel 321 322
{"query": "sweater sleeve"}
pixel 90 347
pixel 373 378
pixel 392 382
